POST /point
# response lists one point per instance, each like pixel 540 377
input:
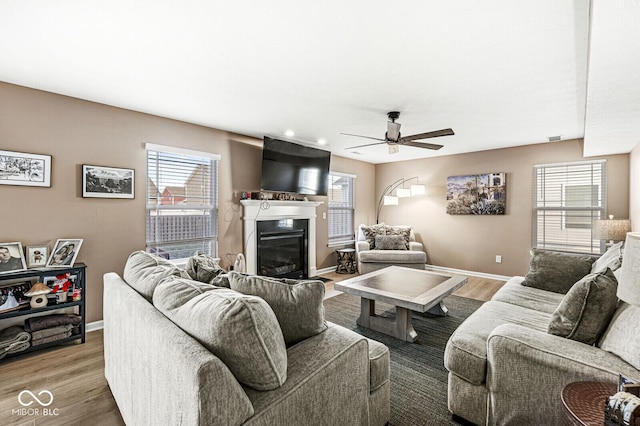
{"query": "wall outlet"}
pixel 324 215
pixel 498 258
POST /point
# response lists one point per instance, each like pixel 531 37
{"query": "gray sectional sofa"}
pixel 232 365
pixel 509 361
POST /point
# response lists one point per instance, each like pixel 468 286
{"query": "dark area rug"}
pixel 418 376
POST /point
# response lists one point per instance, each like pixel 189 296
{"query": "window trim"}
pixel 214 207
pixel 594 248
pixel 335 242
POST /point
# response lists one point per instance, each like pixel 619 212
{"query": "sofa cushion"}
pixel 392 257
pixel 466 351
pixel 205 269
pixel 144 271
pixel 555 271
pixel 297 304
pixel 586 309
pixel 515 293
pixel 390 242
pixel 622 336
pixel 239 329
pixel 369 233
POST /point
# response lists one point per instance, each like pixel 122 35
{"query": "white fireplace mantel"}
pixel 260 210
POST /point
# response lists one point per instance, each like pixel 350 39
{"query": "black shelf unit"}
pixel 13 278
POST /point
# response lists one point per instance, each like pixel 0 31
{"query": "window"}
pixel 341 208
pixel 182 202
pixel 567 198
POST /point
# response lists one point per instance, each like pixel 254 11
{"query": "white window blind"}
pixel 182 202
pixel 567 198
pixel 341 207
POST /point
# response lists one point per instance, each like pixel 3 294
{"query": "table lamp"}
pixel 611 229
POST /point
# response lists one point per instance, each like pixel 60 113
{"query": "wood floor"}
pixel 74 374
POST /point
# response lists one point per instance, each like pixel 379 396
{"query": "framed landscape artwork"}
pixel 107 182
pixel 19 168
pixel 484 194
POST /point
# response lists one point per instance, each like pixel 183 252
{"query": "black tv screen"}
pixel 290 167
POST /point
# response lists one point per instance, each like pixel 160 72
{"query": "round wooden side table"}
pixel 584 402
pixel 346 261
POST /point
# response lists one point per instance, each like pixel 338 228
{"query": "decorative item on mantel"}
pixel 611 230
pixel 386 199
pixel 38 293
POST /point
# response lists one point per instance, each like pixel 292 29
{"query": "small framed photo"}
pixel 37 256
pixel 11 257
pixel 64 253
pixel 107 182
pixel 19 168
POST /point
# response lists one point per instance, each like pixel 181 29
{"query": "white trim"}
pixel 472 273
pixel 326 270
pixel 95 326
pixel 571 163
pixel 175 150
pixel 347 175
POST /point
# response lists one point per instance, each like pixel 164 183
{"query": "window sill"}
pixel 341 243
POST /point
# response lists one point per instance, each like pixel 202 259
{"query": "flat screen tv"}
pixel 294 168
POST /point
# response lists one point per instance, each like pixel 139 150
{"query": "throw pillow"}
pixel 612 259
pixel 390 242
pixel 144 271
pixel 405 231
pixel 204 268
pixel 586 309
pixel 555 271
pixel 370 233
pixel 296 304
pixel 241 330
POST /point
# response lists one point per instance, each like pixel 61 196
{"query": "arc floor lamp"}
pixel 386 199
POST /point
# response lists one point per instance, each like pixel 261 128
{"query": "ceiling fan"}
pixel 393 138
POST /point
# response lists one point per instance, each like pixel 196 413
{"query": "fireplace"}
pixel 287 214
pixel 282 248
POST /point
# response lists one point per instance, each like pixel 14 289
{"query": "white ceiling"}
pixel 499 72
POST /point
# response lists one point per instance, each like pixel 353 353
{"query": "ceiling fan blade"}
pixel 366 137
pixel 369 144
pixel 434 134
pixel 422 145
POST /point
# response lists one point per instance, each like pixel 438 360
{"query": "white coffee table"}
pixel 405 288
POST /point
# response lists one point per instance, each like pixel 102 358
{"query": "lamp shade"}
pixel 390 200
pixel 611 229
pixel 417 190
pixel 629 284
pixel 403 192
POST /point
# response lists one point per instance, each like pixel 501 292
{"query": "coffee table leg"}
pixel 367 310
pixel 404 328
pixel 439 310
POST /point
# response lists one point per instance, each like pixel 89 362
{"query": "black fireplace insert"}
pixel 282 248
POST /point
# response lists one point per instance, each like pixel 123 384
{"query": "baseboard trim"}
pixel 325 270
pixel 95 326
pixel 472 273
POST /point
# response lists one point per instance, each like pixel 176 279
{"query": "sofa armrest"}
pixel 157 373
pixel 362 246
pixel 328 374
pixel 415 246
pixel 527 369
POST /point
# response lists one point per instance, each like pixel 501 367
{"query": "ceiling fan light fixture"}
pixel 417 190
pixel 393 148
pixel 289 133
pixel 393 131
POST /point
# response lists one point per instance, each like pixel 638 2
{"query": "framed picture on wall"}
pixel 484 194
pixel 37 256
pixel 64 253
pixel 11 257
pixel 107 182
pixel 19 168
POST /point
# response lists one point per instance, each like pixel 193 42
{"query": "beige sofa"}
pixel 505 368
pixel 160 374
pixel 371 258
